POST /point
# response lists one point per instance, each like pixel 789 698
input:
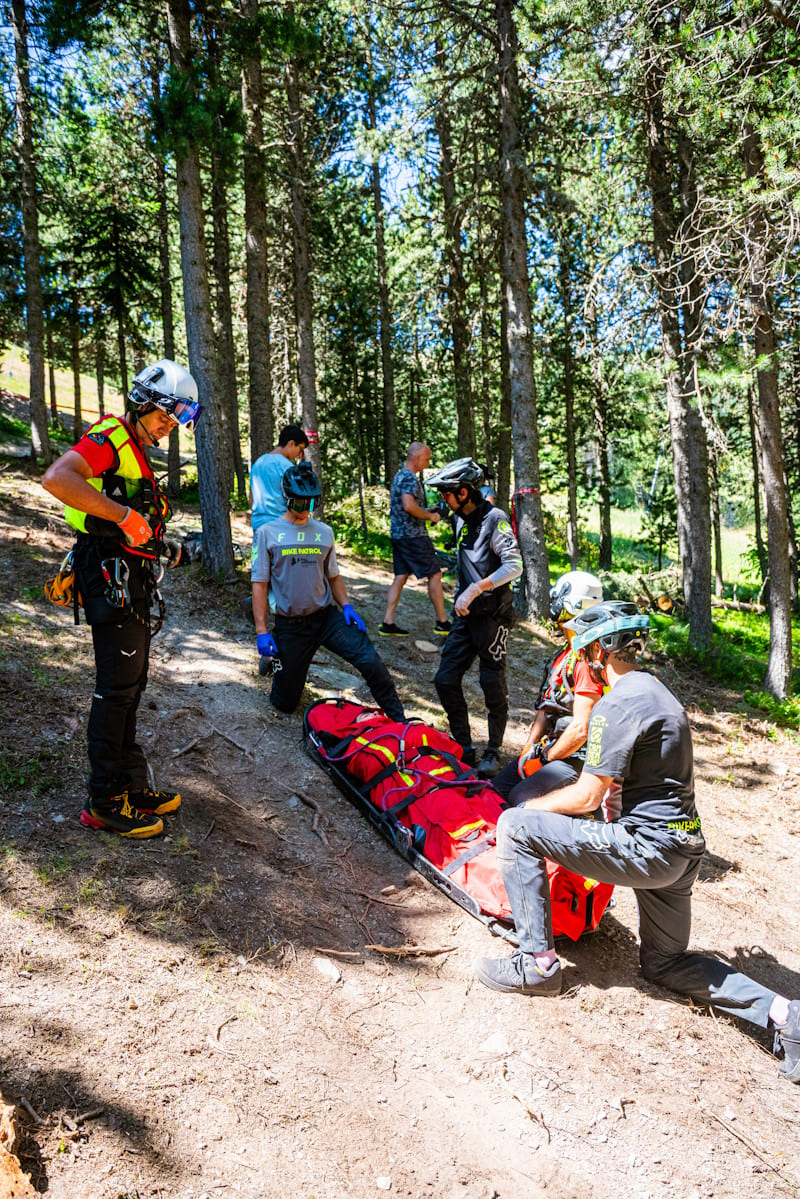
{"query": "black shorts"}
pixel 415 556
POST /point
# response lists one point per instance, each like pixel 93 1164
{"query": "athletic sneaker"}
pixel 155 803
pixel 518 975
pixel 787 1038
pixel 392 630
pixel 489 764
pixel 442 627
pixel 117 815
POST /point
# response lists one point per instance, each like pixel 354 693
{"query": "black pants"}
pixel 121 641
pixel 299 639
pixel 514 790
pixel 121 654
pixel 471 637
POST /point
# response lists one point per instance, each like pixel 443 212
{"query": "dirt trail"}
pixel 172 989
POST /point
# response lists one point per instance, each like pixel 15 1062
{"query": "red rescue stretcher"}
pixel 409 781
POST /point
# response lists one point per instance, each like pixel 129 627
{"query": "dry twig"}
pixel 336 953
pixel 244 748
pixel 537 1117
pixel 196 741
pixel 365 895
pixel 34 1115
pixel 316 822
pixel 410 951
pixel 753 1149
pixel 92 1114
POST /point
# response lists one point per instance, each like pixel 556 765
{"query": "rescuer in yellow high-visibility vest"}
pixel 119 514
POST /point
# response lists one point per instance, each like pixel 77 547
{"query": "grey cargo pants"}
pixel 662 880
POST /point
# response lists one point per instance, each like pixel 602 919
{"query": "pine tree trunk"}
pixel 165 277
pixel 217 543
pixel 778 681
pixel 390 447
pixel 51 372
pixel 40 436
pixel 486 403
pixel 716 523
pixel 75 346
pixel 755 458
pixel 260 398
pixel 223 331
pixel 535 599
pixel 600 412
pixel 504 431
pixel 120 310
pixel 564 259
pixel 100 373
pixel 303 295
pixel 687 433
pixel 456 283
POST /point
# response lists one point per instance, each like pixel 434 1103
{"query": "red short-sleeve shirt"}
pixel 98 451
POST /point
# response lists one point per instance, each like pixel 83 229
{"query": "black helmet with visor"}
pixel 300 487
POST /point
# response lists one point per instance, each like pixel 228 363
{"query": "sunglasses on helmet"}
pixel 185 412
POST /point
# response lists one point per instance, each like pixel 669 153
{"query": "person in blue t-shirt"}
pixel 266 497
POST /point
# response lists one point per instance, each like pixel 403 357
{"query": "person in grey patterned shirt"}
pixel 412 548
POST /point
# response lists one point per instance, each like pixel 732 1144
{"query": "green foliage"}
pixel 368 545
pixel 32 774
pixel 10 426
pixel 737 658
pixel 660 521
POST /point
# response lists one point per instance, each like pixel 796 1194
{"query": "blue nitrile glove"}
pixel 266 645
pixel 351 617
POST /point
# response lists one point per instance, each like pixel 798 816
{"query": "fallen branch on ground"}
pixel 34 1115
pixel 387 903
pixel 316 822
pixel 196 741
pixel 232 740
pixel 410 951
pixel 737 605
pixel 336 953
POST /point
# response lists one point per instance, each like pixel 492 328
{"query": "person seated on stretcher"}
pixel 555 747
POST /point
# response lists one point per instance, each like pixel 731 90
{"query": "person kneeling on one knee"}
pixel 629 819
pixel 294 557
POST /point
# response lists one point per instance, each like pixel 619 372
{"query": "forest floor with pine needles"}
pixel 202 1014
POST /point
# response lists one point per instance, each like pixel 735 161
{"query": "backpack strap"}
pixel 473 852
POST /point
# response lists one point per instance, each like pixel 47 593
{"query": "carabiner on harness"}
pixel 153 593
pixel 116 573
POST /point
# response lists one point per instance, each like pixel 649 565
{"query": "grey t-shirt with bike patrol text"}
pixel 297 561
pixel 639 733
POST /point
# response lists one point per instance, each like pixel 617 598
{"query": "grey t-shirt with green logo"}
pixel 297 561
pixel 639 733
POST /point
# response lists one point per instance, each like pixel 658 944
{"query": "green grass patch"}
pixel 367 545
pixel 738 658
pixel 19 430
pixel 35 775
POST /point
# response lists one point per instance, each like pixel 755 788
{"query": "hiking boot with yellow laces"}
pixel 155 803
pixel 117 815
